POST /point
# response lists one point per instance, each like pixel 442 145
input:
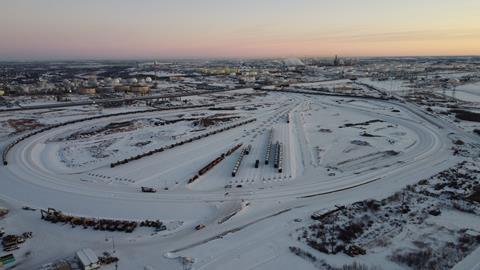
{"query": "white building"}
pixel 88 259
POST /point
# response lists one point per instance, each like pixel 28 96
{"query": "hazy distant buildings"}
pixel 336 61
pixel 140 89
pixel 87 91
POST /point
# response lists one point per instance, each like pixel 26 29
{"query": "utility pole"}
pixel 113 245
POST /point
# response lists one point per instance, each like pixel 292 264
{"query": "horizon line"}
pixel 142 59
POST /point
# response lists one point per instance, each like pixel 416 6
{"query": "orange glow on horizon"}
pixel 126 29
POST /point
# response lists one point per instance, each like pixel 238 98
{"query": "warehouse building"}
pixel 87 91
pixel 140 89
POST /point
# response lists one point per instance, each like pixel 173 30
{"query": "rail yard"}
pixel 241 179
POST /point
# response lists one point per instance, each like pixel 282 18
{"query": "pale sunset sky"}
pixel 129 29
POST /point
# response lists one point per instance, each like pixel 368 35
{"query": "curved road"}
pixel 28 181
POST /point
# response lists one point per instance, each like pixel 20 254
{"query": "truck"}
pixel 148 190
pixel 199 227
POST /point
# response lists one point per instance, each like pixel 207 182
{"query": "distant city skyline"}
pixel 148 29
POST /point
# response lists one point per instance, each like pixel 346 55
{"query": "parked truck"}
pixel 148 190
pixel 199 227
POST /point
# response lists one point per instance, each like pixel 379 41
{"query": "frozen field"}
pixel 468 92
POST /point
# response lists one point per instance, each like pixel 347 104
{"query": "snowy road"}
pixel 29 174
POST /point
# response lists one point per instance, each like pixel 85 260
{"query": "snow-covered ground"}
pixel 336 151
pixel 467 92
pixel 396 86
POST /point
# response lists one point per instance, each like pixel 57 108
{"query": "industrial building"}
pixel 87 91
pixel 140 89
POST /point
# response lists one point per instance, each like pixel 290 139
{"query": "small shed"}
pixel 88 259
